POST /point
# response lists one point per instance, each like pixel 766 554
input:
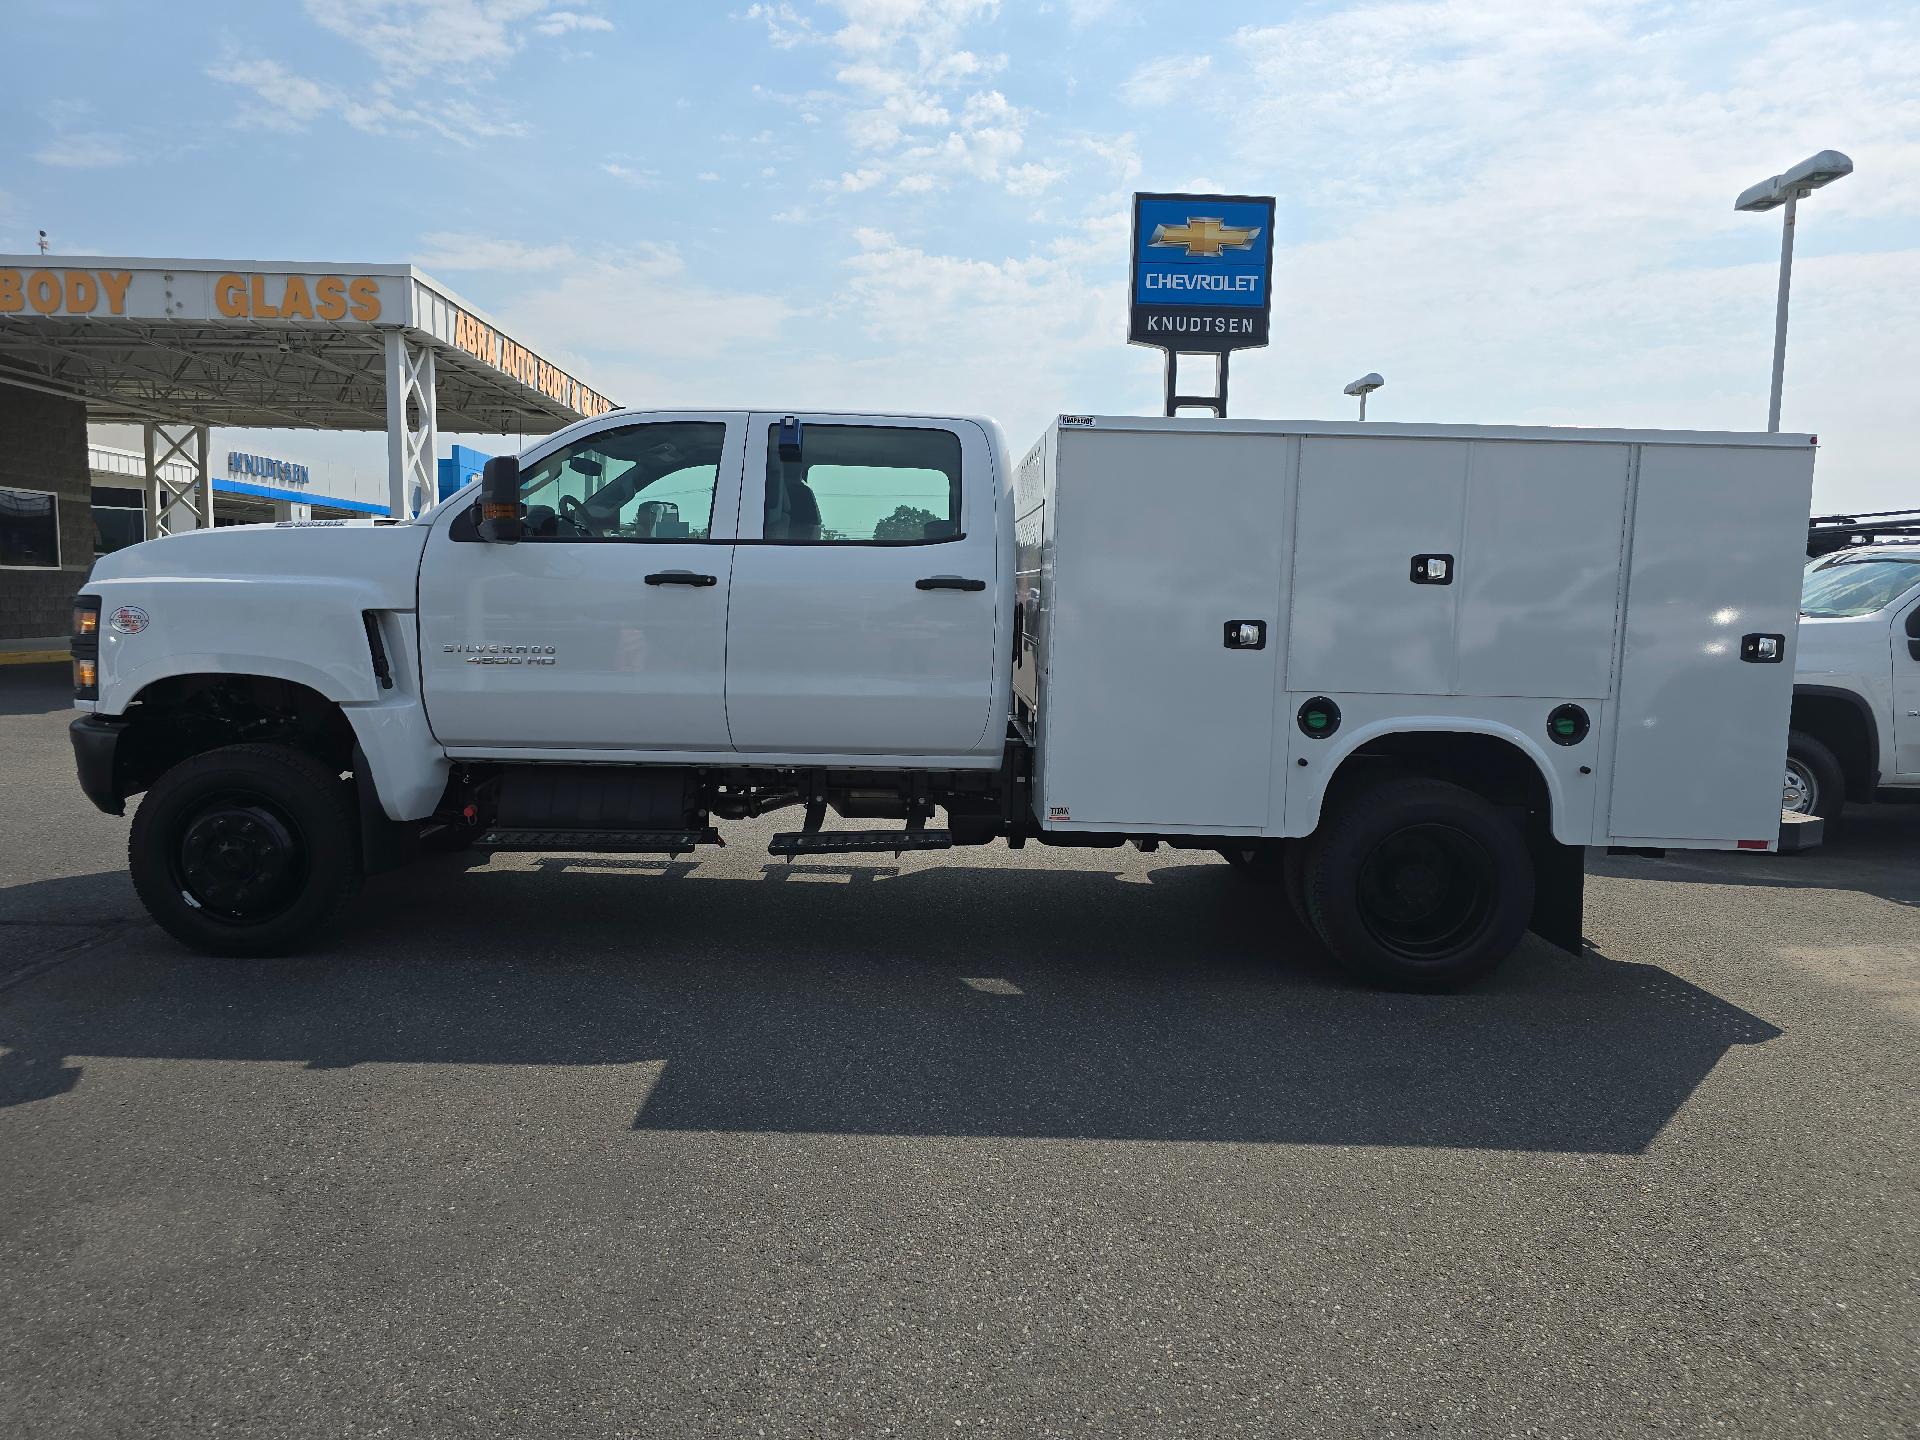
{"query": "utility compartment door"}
pixel 1367 508
pixel 1540 569
pixel 1718 541
pixel 1149 720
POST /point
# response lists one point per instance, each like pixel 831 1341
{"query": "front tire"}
pixel 1815 784
pixel 1417 884
pixel 245 850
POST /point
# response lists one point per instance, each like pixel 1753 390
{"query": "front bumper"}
pixel 96 745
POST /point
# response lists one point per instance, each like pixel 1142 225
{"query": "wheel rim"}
pixel 239 859
pixel 1801 792
pixel 1426 891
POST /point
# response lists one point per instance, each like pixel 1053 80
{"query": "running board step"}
pixel 847 842
pixel 625 842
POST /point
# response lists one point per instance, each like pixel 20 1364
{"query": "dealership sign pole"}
pixel 1202 281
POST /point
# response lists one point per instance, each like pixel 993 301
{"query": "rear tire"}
pixel 1416 884
pixel 245 850
pixel 1815 783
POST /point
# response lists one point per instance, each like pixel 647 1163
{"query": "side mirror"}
pixel 500 507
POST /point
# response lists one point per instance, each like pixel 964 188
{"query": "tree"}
pixel 907 522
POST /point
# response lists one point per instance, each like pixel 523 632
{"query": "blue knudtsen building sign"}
pixel 1202 272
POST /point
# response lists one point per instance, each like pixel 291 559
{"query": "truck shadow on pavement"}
pixel 1176 1004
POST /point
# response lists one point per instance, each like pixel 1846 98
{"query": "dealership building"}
pixel 133 391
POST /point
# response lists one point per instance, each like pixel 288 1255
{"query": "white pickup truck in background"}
pixel 1410 670
pixel 1856 693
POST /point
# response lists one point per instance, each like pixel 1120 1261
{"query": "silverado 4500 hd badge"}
pixel 503 654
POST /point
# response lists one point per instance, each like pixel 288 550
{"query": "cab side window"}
pixel 639 482
pixel 864 485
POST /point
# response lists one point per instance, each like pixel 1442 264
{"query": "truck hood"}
pixel 1841 645
pixel 290 552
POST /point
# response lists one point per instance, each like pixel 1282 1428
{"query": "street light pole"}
pixel 1780 315
pixel 1789 189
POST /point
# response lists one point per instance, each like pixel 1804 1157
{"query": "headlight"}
pixel 86 647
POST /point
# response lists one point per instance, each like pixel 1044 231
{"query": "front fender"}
pixel 310 633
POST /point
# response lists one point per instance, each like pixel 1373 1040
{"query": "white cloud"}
pixel 283 100
pixel 707 177
pixel 562 22
pixel 410 38
pixel 1159 82
pixel 1030 179
pixel 641 179
pixel 84 152
pixel 915 103
pixel 786 27
pixel 452 250
pixel 405 41
pixel 642 302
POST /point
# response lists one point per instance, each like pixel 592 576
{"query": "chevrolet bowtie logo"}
pixel 1204 235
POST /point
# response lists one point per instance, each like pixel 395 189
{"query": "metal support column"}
pixel 1216 402
pixel 411 450
pixel 178 505
pixel 1780 314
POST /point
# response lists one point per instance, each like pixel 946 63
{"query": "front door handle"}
pixel 680 577
pixel 948 582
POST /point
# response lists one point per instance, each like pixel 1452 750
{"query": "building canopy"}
pixel 198 343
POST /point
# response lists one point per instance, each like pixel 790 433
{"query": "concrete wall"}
pixel 43 446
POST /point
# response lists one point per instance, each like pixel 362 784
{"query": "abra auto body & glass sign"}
pixel 1202 271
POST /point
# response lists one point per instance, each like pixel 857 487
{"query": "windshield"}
pixel 1857 586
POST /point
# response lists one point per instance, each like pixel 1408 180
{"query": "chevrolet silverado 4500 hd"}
pixel 1408 672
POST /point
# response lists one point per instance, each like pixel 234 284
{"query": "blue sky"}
pixel 1515 211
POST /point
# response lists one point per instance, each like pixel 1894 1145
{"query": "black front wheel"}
pixel 244 850
pixel 1418 884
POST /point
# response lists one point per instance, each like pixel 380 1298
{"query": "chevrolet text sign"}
pixel 1202 271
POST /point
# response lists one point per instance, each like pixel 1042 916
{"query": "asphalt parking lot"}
pixel 1025 1145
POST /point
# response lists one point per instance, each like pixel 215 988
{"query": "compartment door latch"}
pixel 1246 634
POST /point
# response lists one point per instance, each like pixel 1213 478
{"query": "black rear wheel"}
pixel 1418 884
pixel 244 850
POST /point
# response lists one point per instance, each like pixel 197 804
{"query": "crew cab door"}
pixel 605 626
pixel 864 585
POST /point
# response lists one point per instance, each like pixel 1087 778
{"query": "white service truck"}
pixel 1856 696
pixel 1409 671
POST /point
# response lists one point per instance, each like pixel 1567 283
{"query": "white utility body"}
pixel 1413 670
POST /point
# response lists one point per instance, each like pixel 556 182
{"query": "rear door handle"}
pixel 680 577
pixel 949 582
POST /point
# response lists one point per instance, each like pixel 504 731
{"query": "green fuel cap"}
pixel 1319 718
pixel 1567 725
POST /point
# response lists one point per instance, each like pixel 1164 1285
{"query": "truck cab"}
pixel 683 588
pixel 1855 729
